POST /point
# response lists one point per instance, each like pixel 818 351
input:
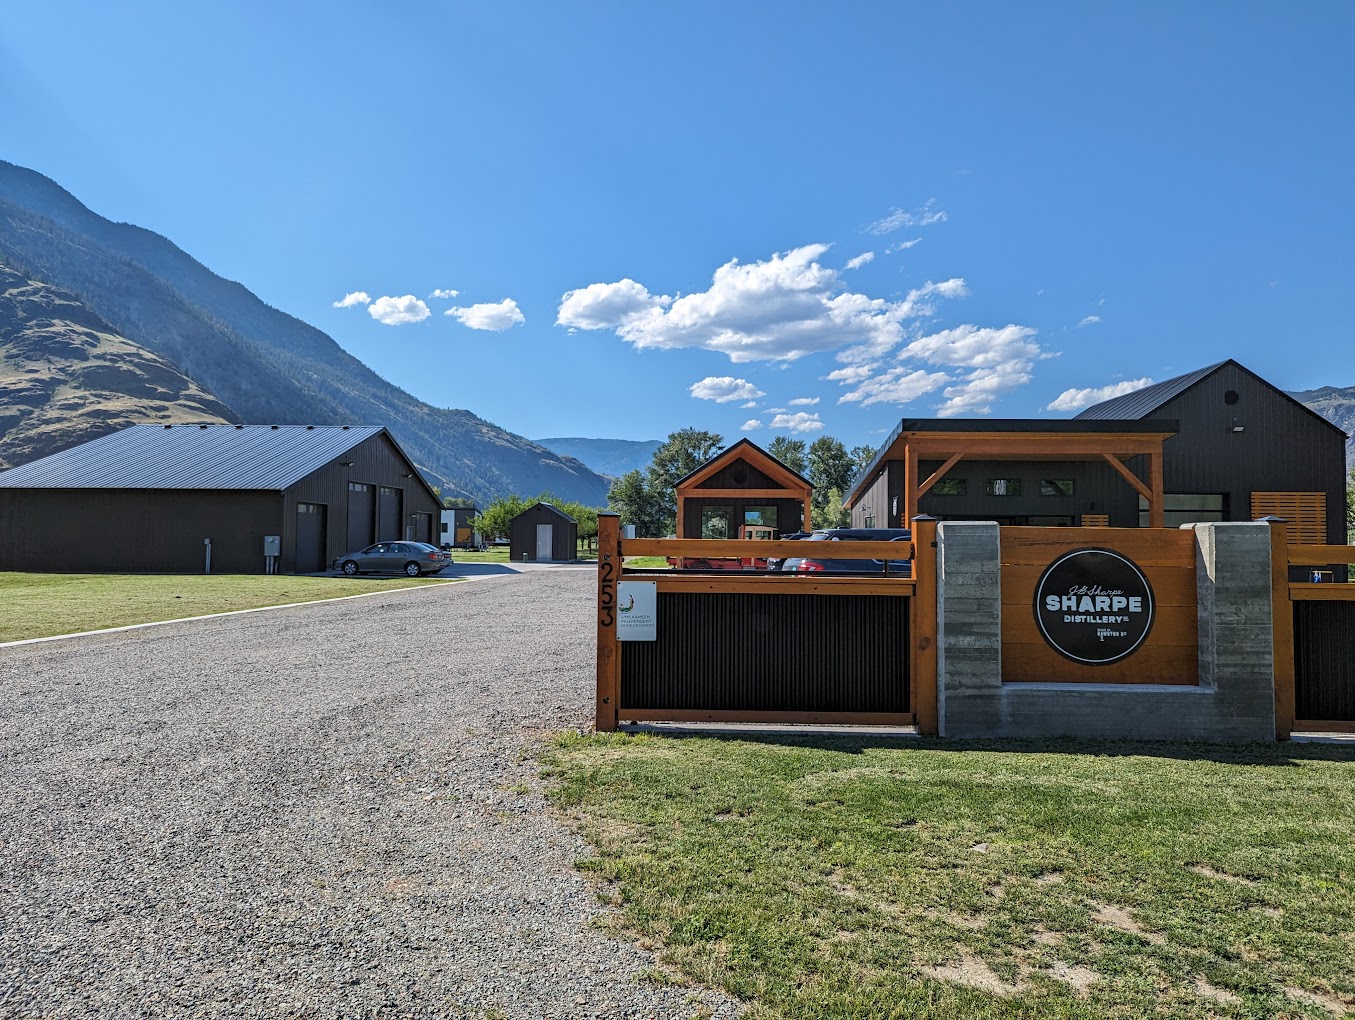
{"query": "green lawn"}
pixel 40 605
pixel 962 880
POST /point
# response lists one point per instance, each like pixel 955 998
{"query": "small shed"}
pixel 543 534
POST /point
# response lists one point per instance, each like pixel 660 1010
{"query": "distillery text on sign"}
pixel 1094 606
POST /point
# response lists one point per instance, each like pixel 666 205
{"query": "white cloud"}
pixel 797 422
pixel 494 317
pixel 443 295
pixel 981 364
pixel 784 308
pixel 358 297
pixel 398 311
pixel 898 246
pixel 724 389
pixel 1088 321
pixel 775 410
pixel 751 403
pixel 1076 400
pixel 804 401
pixel 607 305
pixel 750 424
pixel 864 258
pixel 899 218
pixel 895 386
pixel 852 373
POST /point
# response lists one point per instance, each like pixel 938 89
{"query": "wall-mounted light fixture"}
pixel 1237 426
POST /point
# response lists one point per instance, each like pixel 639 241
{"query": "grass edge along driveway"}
pixel 1056 879
pixel 46 605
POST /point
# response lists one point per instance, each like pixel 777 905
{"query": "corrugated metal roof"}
pixel 1149 399
pixel 192 457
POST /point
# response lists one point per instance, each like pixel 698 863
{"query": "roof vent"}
pixel 309 428
pixel 275 428
pixel 345 428
pixel 202 426
pixel 169 426
pixel 240 427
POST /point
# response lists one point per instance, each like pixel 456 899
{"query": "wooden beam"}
pixel 922 665
pixel 751 583
pixel 1157 509
pixel 796 493
pixel 1282 630
pixel 1035 445
pixel 746 548
pixel 909 509
pixel 925 487
pixel 681 529
pixel 1129 477
pixel 1320 555
pixel 608 647
pixel 790 718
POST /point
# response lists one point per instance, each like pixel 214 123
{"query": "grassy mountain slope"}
pixel 266 365
pixel 67 377
pixel 611 457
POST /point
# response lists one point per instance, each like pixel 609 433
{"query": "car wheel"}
pixel 349 567
pixel 701 565
pixel 412 569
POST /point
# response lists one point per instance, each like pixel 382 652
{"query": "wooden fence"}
pixel 759 646
pixel 1314 638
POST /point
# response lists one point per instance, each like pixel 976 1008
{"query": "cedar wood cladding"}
pixel 739 474
pixel 162 530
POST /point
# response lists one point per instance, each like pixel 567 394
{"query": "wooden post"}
pixel 1282 624
pixel 1157 507
pixel 922 668
pixel 609 648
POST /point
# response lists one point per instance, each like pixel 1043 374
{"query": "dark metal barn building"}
pixel 543 534
pixel 149 498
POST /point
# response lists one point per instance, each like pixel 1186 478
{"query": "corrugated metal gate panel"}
pixel 771 653
pixel 1324 673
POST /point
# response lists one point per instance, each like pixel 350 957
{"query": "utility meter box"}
pixel 272 545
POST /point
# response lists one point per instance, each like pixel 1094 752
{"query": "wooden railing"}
pixel 917 582
pixel 1318 557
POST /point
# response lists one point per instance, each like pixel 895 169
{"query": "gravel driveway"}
pixel 327 811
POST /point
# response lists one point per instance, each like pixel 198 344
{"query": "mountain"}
pixel 611 457
pixel 67 377
pixel 1337 405
pixel 266 366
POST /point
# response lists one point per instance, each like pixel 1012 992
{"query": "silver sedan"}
pixel 412 558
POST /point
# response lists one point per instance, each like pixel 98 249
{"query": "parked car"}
pixel 773 562
pixel 412 558
pixel 821 561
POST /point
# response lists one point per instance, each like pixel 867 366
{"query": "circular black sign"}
pixel 1094 606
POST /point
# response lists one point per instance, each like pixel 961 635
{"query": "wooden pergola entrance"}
pixel 911 446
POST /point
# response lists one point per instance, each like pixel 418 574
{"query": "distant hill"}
pixel 1337 405
pixel 66 376
pixel 265 365
pixel 611 457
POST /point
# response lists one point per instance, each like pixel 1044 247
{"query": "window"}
pixel 1056 487
pixel 763 516
pixel 951 487
pixel 1003 486
pixel 1187 508
pixel 714 522
pixel 869 521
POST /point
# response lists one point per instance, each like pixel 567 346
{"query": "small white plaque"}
pixel 637 611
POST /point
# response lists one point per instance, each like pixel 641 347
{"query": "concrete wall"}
pixel 1235 699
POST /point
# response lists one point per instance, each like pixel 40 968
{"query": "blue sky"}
pixel 825 217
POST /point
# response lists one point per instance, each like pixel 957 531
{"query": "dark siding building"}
pixel 1240 436
pixel 146 499
pixel 543 534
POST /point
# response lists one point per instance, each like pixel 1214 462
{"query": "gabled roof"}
pixel 756 456
pixel 552 508
pixel 1142 403
pixel 193 457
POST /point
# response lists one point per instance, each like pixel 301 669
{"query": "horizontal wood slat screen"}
pixel 1305 512
pixel 1170 652
pixel 1096 520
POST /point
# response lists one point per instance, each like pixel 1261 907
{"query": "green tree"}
pixel 861 458
pixel 458 503
pixel 632 497
pixel 790 452
pixel 830 472
pixel 1350 507
pixel 494 520
pixel 832 514
pixel 681 453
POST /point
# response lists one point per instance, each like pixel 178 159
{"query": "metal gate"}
pixel 1324 662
